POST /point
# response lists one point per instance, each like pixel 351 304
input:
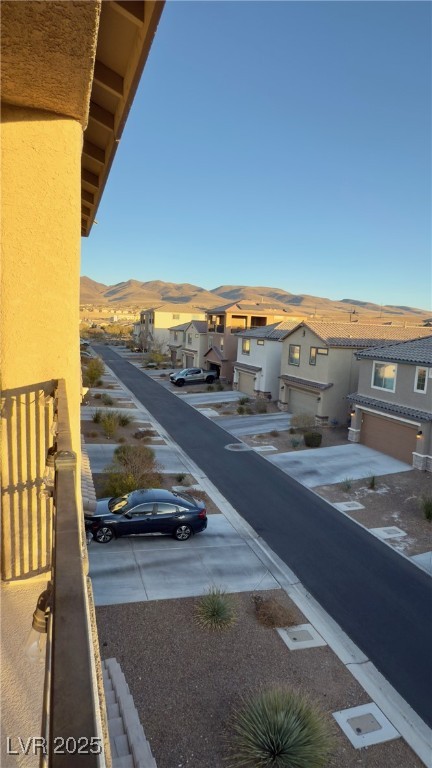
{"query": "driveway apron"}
pixel 380 599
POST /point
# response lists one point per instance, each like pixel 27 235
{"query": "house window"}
pixel 420 383
pixel 294 354
pixel 314 351
pixel 210 341
pixel 260 343
pixel 221 345
pixel 246 346
pixel 175 335
pixel 189 341
pixel 176 317
pixel 384 376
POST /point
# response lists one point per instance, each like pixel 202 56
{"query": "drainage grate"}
pixel 301 636
pixel 346 506
pixel 365 725
pixel 390 532
pixel 264 448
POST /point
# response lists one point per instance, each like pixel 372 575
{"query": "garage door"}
pixel 302 402
pixel 189 361
pixel 246 383
pixel 388 436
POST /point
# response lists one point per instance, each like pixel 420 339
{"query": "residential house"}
pixel 225 321
pixel 319 365
pixel 258 363
pixel 392 407
pixel 188 344
pixel 155 323
pixel 69 76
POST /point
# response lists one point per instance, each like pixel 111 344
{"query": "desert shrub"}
pixel 295 442
pixel 248 410
pixel 215 610
pixel 346 484
pixel 261 406
pixel 93 372
pixel 244 400
pixel 292 431
pixel 313 439
pixel 303 421
pixel 271 613
pixel 180 477
pixel 240 410
pixel 426 505
pixel 219 387
pixel 97 416
pixel 274 433
pixel 109 424
pixel 144 434
pixel 99 383
pixel 217 405
pixel 91 434
pixel 97 395
pixel 118 483
pixel 282 728
pixel 123 419
pixel 372 482
pixel 110 386
pixel 107 399
pixel 121 439
pixel 210 388
pixel 139 464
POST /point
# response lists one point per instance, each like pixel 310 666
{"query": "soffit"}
pixel 126 32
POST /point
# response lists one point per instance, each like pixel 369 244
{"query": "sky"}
pixel 281 144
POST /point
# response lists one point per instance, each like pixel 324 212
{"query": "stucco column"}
pixel 39 320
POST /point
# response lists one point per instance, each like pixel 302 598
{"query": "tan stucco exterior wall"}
pixel 41 252
pixel 40 265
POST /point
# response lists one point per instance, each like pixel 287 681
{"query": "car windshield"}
pixel 118 504
pixel 185 496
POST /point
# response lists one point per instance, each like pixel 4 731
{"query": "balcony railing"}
pixel 72 721
pixel 215 328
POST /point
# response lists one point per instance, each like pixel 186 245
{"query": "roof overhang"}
pixel 81 60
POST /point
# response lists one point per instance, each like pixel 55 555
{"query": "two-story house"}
pixel 319 365
pixel 225 321
pixel 155 322
pixel 258 363
pixel 392 408
pixel 188 343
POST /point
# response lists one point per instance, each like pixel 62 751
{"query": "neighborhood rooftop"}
pixel 274 331
pixel 361 334
pixel 418 351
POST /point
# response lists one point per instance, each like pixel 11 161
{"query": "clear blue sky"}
pixel 283 144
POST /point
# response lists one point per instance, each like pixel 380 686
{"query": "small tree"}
pixel 94 370
pixel 134 467
pixel 303 421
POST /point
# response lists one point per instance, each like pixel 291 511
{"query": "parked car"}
pixel 191 375
pixel 153 510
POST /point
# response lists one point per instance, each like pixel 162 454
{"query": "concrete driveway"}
pixel 325 466
pixel 256 424
pixel 207 398
pixel 140 568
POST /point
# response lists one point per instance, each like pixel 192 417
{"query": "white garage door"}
pixel 246 383
pixel 302 402
pixel 189 361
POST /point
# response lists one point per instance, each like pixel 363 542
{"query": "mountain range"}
pixel 142 295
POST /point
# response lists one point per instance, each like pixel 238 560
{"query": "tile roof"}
pixel 274 331
pixel 392 408
pixel 181 327
pixel 200 325
pixel 305 382
pixel 246 367
pixel 216 351
pixel 356 335
pixel 418 352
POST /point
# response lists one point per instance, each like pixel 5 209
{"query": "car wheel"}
pixel 180 382
pixel 104 534
pixel 183 532
pixel 210 379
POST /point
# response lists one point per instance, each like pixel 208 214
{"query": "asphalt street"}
pixel 380 599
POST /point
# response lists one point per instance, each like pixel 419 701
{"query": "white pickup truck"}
pixel 191 375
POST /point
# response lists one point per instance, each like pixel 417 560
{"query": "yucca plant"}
pixel 215 610
pixel 279 728
pixel 426 503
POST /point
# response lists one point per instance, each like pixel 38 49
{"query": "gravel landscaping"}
pixel 186 681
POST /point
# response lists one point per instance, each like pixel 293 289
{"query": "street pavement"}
pixel 380 599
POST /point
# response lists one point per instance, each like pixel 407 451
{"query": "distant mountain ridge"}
pixel 133 293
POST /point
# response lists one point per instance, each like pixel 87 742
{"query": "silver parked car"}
pixel 191 375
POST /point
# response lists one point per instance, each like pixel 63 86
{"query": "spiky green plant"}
pixel 426 503
pixel 279 728
pixel 346 484
pixel 97 416
pixel 215 610
pixel 109 424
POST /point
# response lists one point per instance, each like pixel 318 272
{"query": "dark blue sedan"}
pixel 153 510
